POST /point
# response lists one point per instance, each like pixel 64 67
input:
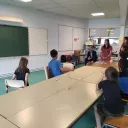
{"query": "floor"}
pixel 86 121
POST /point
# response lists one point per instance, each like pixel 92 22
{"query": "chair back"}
pixel 15 83
pixel 48 73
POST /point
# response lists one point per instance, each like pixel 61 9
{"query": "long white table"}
pixel 83 72
pixel 60 110
pixel 54 103
pixel 19 100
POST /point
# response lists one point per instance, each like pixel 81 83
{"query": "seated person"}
pixel 76 57
pixel 22 72
pixel 91 56
pixel 123 62
pixel 56 66
pixel 112 105
pixel 68 64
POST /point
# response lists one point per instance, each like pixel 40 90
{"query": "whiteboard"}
pixel 78 38
pixel 38 41
pixel 65 38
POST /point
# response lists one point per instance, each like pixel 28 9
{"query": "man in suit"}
pixel 91 56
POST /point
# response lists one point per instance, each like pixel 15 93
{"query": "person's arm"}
pixel 14 77
pixel 99 83
pixel 88 55
pixel 95 56
pixel 26 79
pixel 64 69
pixel 109 53
pixel 101 51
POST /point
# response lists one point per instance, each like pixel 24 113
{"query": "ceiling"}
pixel 76 8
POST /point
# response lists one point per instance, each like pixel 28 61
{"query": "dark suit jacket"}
pixel 94 55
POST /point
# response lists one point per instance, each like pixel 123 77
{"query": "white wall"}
pixel 37 19
pixel 105 23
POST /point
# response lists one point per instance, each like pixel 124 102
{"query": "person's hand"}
pixel 122 49
pixel 72 69
pixel 89 58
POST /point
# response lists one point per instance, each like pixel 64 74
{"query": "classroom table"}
pixel 60 110
pixel 95 77
pixel 82 72
pixel 6 124
pixel 19 100
pixel 55 103
pixel 104 65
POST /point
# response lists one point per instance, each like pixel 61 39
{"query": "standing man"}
pixel 91 56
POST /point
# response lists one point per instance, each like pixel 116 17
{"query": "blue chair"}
pixel 123 83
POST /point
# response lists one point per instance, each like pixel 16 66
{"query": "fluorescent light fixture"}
pixel 98 14
pixel 24 0
pixel 93 30
pixel 11 19
pixel 109 30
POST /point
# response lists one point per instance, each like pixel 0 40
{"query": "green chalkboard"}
pixel 13 41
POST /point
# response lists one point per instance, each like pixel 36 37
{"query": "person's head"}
pixel 91 48
pixel 54 54
pixel 111 74
pixel 69 59
pixel 106 43
pixel 125 40
pixel 23 64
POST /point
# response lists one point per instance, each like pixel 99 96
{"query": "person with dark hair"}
pixel 55 65
pixel 91 56
pixel 125 40
pixel 123 71
pixel 123 62
pixel 106 51
pixel 112 105
pixel 63 59
pixel 22 72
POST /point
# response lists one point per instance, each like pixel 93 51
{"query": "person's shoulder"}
pixel 50 61
pixel 57 61
pixel 27 70
pixel 104 82
pixel 17 70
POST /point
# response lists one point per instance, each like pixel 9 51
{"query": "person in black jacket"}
pixel 91 56
pixel 123 62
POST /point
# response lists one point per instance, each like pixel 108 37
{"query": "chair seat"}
pixel 120 122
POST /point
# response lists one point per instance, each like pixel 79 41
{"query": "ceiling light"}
pixel 98 14
pixel 11 19
pixel 24 0
pixel 93 30
pixel 109 30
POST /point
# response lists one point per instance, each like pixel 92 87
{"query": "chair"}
pixel 116 122
pixel 123 83
pixel 17 84
pixel 48 73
